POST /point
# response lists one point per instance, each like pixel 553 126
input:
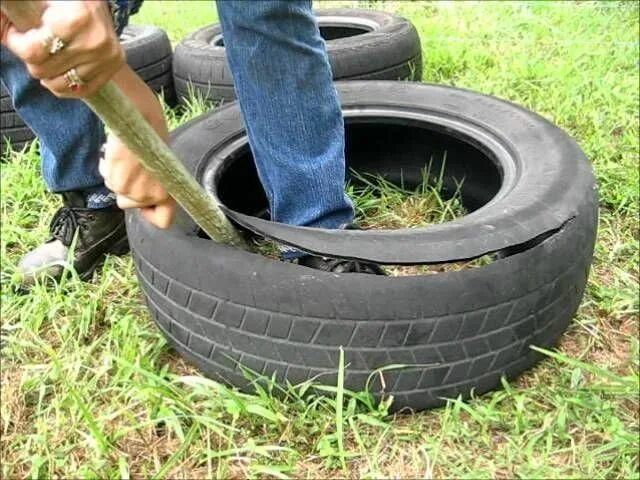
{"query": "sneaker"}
pixel 338 265
pixel 99 231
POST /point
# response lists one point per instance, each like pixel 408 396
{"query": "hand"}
pixel 123 174
pixel 134 186
pixel 4 25
pixel 90 46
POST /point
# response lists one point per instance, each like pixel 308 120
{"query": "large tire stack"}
pixel 13 130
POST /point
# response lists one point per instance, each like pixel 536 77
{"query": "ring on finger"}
pixel 52 42
pixel 74 81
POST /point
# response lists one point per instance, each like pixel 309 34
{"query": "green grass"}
pixel 91 389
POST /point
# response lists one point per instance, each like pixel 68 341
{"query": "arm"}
pixel 122 172
pixel 92 48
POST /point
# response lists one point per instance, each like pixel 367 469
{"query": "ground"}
pixel 91 389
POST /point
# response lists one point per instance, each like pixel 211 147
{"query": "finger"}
pixel 93 79
pixel 86 29
pixel 28 46
pixel 161 215
pixel 135 193
pixel 143 195
pixel 125 202
pixel 71 56
pixel 103 165
pixel 60 84
pixel 66 19
pixel 57 64
pixel 146 189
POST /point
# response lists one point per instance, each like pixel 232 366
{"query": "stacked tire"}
pixel 361 44
pixel 12 129
pixel 149 53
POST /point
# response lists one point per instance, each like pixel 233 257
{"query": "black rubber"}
pixel 149 53
pixel 13 130
pixel 361 44
pixel 459 331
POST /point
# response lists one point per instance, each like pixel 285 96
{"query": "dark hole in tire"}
pixel 402 152
pixel 327 32
pixel 334 32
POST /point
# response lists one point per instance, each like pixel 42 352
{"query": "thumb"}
pixel 26 45
pixel 160 215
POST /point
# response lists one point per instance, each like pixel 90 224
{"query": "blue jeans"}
pixel 70 134
pixel 283 82
pixel 284 85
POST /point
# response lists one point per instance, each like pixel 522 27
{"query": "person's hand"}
pixel 123 174
pixel 91 47
pixel 134 186
pixel 4 25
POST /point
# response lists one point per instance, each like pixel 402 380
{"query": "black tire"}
pixel 149 53
pixel 219 305
pixel 14 132
pixel 362 45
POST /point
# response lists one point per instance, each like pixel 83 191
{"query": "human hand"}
pixel 134 186
pixel 91 47
pixel 4 24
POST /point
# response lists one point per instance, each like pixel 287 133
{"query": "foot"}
pixel 99 231
pixel 337 265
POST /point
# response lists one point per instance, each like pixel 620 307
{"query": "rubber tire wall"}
pixel 463 330
pixel 149 53
pixel 12 128
pixel 390 51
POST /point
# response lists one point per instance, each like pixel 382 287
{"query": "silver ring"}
pixel 52 42
pixel 73 79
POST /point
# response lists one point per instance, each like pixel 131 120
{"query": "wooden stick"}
pixel 128 124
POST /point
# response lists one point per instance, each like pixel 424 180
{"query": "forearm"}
pixel 143 98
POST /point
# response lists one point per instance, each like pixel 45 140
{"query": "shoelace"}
pixel 64 225
pixel 344 266
pixel 339 265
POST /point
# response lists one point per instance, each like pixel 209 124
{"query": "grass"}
pixel 381 204
pixel 90 388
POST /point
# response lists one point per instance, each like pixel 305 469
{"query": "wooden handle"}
pixel 128 124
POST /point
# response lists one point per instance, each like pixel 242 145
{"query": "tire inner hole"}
pixel 327 32
pixel 433 177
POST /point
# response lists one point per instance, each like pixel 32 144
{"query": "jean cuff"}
pixel 100 197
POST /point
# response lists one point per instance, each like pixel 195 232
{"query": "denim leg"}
pixel 284 85
pixel 70 134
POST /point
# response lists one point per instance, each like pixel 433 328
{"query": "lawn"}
pixel 91 389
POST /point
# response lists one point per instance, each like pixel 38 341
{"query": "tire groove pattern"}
pixel 421 384
pixel 452 374
pixel 166 281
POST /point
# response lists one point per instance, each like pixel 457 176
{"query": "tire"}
pixel 149 53
pixel 361 44
pixel 457 331
pixel 14 131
